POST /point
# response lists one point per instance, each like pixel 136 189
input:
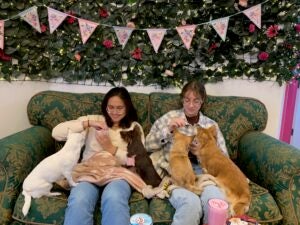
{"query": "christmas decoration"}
pixel 201 53
pixel 263 56
pixel 108 44
pixel 272 31
pixel 137 54
pixel 4 57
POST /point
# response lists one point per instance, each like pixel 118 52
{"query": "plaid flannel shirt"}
pixel 159 139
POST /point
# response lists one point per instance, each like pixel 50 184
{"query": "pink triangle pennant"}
pixel 221 26
pixel 186 33
pixel 86 29
pixel 31 16
pixel 254 14
pixel 123 34
pixel 55 18
pixel 156 36
pixel 2 34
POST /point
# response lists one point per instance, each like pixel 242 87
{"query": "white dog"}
pixel 53 168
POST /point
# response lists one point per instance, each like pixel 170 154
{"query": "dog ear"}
pixel 213 131
pixel 136 130
pixel 125 135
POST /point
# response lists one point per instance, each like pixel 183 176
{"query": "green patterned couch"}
pixel 272 166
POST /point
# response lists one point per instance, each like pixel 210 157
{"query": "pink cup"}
pixel 217 212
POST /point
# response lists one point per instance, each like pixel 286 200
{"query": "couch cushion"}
pixel 51 210
pixel 49 108
pixel 263 208
pixel 19 153
pixel 235 115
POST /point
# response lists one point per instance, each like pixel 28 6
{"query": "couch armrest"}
pixel 276 166
pixel 19 153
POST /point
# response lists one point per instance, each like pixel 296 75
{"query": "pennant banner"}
pixel 2 34
pixel 86 29
pixel 254 14
pixel 156 36
pixel 31 16
pixel 186 33
pixel 55 18
pixel 123 34
pixel 221 26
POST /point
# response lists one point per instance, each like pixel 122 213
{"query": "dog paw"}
pixel 73 184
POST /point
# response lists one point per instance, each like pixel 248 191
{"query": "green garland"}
pixel 47 56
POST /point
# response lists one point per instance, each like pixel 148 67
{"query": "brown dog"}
pixel 228 176
pixel 143 164
pixel 181 170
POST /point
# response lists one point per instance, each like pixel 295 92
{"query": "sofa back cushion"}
pixel 49 108
pixel 235 115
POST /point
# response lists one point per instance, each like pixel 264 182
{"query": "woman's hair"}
pixel 195 86
pixel 131 114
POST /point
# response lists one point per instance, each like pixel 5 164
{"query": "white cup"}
pixel 141 219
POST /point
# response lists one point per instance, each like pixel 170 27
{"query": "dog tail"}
pixel 27 202
pixel 240 208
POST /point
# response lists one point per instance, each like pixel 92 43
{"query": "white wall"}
pixel 15 96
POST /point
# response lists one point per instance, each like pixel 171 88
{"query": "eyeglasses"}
pixel 195 102
pixel 117 109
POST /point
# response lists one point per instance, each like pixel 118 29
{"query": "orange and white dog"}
pixel 227 175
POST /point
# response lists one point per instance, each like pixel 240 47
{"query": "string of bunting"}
pixel 156 35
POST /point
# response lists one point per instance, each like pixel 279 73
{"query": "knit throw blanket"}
pixel 103 168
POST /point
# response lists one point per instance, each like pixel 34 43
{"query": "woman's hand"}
pixel 98 125
pixel 176 122
pixel 103 138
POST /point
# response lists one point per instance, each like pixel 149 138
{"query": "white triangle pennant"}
pixel 86 29
pixel 254 14
pixel 2 34
pixel 221 26
pixel 31 16
pixel 123 34
pixel 156 36
pixel 55 18
pixel 186 33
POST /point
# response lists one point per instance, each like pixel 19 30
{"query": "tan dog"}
pixel 181 170
pixel 228 176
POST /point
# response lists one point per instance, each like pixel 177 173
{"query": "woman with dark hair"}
pixel 130 114
pixel 102 134
pixel 190 208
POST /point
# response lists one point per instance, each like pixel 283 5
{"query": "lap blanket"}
pixel 103 168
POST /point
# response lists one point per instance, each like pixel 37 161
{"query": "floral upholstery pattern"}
pixel 19 154
pixel 234 115
pixel 263 208
pixel 51 210
pixel 51 108
pixel 273 167
pixel 276 166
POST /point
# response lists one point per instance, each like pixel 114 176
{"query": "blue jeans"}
pixel 114 203
pixel 191 208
